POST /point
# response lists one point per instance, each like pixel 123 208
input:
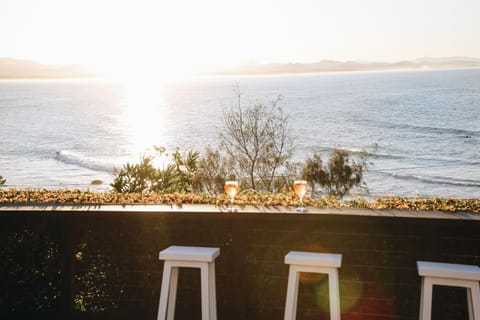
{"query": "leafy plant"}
pixel 185 168
pixel 338 175
pixel 138 177
pixel 2 181
pixel 253 198
pixel 212 172
pixel 177 176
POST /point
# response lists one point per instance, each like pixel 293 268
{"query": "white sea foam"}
pixel 74 158
pixel 436 180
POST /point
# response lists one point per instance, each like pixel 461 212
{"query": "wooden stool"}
pixel 188 257
pixel 313 263
pixel 447 274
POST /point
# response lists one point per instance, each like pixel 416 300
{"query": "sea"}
pixel 420 128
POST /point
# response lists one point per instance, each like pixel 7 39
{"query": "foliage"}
pixel 138 177
pixel 185 168
pixel 14 196
pixel 96 276
pixel 213 170
pixel 29 259
pixel 338 176
pixel 2 181
pixel 177 175
pixel 258 142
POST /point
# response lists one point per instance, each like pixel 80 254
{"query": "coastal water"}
pixel 421 127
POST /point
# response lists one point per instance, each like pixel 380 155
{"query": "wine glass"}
pixel 231 188
pixel 300 188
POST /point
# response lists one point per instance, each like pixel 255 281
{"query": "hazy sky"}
pixel 198 34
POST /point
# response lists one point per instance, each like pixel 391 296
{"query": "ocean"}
pixel 422 128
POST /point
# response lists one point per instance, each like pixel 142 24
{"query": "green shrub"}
pixel 288 199
pixel 336 177
pixel 212 172
pixel 177 176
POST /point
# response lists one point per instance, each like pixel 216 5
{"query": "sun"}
pixel 121 39
pixel 127 38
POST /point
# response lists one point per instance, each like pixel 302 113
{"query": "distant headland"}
pixel 24 69
pixel 350 66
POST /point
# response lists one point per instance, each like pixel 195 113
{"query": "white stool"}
pixel 189 257
pixel 446 274
pixel 314 263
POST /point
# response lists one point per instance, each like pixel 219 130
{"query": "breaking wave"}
pixel 458 132
pixel 435 179
pixel 74 158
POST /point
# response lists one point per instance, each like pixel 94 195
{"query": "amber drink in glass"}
pixel 300 188
pixel 231 188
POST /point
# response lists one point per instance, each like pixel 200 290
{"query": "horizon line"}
pixel 78 71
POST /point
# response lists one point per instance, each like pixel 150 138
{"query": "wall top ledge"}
pixel 241 210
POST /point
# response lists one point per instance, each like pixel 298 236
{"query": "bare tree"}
pixel 258 142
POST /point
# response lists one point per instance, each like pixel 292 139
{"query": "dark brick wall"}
pixel 104 265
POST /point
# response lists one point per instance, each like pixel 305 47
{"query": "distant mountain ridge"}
pixel 23 69
pixel 338 66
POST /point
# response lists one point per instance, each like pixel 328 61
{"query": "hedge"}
pixel 36 196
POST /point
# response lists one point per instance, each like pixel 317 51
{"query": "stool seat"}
pixel 448 274
pixel 448 270
pixel 329 260
pixel 312 262
pixel 177 257
pixel 184 253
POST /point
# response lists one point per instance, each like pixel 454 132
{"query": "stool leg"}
pixel 212 291
pixel 292 294
pixel 426 299
pixel 205 292
pixel 334 295
pixel 162 307
pixel 473 296
pixel 172 297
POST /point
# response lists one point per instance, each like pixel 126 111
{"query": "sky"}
pixel 196 35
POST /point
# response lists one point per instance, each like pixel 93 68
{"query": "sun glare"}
pixel 189 36
pixel 119 39
pixel 144 113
